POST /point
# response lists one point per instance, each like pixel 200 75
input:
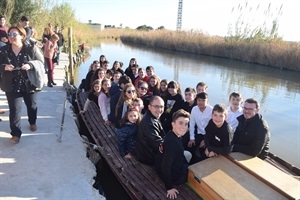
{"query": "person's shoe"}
pixel 32 127
pixel 49 85
pixel 14 140
pixel 2 111
pixel 53 83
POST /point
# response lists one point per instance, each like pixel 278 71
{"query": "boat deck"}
pixel 139 180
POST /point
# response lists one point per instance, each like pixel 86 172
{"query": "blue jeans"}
pixel 58 54
pixel 15 105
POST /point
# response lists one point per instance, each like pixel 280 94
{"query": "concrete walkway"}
pixel 39 167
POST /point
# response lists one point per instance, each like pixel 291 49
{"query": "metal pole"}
pixel 71 70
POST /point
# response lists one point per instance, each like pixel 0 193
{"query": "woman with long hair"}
pixel 104 100
pixel 125 101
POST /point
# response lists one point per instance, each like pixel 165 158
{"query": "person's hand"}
pixel 81 112
pixel 212 154
pixel 107 122
pixel 4 39
pixel 172 194
pixel 25 67
pixel 9 67
pixel 206 152
pixel 191 143
pixel 202 144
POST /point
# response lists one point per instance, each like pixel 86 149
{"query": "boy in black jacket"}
pixel 172 161
pixel 218 134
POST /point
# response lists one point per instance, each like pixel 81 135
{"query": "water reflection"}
pixel 276 90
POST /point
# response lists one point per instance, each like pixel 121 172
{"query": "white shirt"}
pixel 104 105
pixel 200 119
pixel 231 119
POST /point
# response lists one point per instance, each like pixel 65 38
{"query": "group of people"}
pixel 159 126
pixel 22 69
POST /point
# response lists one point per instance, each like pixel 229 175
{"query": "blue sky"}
pixel 209 16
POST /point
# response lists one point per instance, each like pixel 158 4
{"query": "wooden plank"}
pixel 286 184
pixel 202 172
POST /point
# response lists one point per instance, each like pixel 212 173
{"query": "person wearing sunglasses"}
pixel 22 68
pixel 142 92
pixel 252 135
pixel 125 101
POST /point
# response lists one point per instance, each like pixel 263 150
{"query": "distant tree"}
pixel 30 8
pixel 6 8
pixel 144 28
pixel 161 28
pixel 63 15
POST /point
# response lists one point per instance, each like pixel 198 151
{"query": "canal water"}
pixel 277 91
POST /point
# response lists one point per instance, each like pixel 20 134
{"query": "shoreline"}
pixel 274 53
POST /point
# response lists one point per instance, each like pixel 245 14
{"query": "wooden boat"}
pixel 207 178
pixel 140 181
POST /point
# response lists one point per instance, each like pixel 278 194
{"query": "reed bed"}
pixel 274 53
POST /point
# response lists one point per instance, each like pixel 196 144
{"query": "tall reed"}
pixel 273 52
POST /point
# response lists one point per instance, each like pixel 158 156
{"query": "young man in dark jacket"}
pixel 252 136
pixel 150 132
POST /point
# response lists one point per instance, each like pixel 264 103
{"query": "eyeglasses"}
pixel 130 91
pixel 157 106
pixel 13 34
pixel 248 109
pixel 144 88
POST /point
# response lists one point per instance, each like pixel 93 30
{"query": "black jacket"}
pixel 30 53
pixel 252 136
pixel 115 92
pixel 217 139
pixel 150 136
pixel 170 164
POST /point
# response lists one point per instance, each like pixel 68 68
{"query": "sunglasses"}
pixel 13 34
pixel 130 91
pixel 143 88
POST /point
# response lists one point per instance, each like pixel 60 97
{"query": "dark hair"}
pixel 150 68
pixel 251 100
pixel 105 62
pixel 190 89
pixel 132 59
pixel 110 72
pixel 202 84
pixel 2 16
pixel 102 89
pixel 124 79
pixel 220 108
pixel 125 118
pixel 235 94
pixel 180 113
pixel 140 83
pixel 24 19
pixel 153 98
pixel 174 84
pixel 95 82
pixel 202 95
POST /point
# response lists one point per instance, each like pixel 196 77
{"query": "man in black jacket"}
pixel 150 132
pixel 60 43
pixel 252 136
